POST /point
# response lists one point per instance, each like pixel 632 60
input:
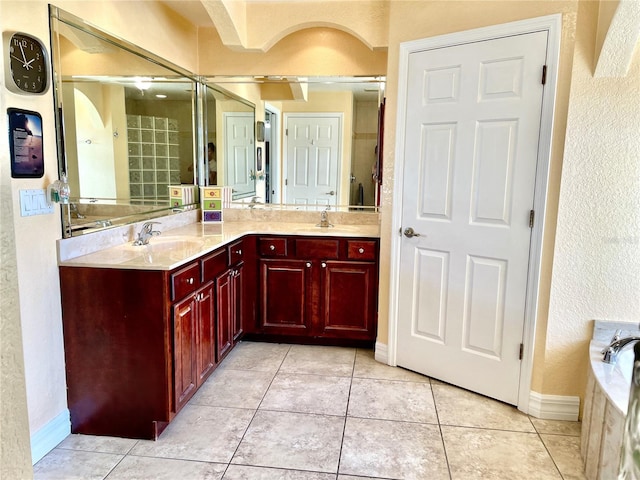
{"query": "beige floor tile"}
pixel 233 388
pixel 392 400
pixel 398 450
pixel 459 407
pixel 96 443
pixel 565 451
pixel 242 472
pixel 494 454
pixel 319 394
pixel 61 464
pixel 292 441
pixel 319 360
pixel 368 367
pixel 556 427
pixel 352 477
pixel 136 468
pixel 258 356
pixel 201 433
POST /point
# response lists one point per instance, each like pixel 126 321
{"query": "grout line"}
pixel 255 413
pixel 444 446
pixel 346 411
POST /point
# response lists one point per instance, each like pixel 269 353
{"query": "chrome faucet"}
pixel 146 232
pixel 614 348
pixel 324 220
pixel 73 211
pixel 253 202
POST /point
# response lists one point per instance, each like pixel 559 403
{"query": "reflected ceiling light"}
pixel 160 95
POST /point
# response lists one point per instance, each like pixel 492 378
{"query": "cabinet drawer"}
pixel 235 252
pixel 214 264
pixel 317 248
pixel 361 249
pixel 272 247
pixel 185 281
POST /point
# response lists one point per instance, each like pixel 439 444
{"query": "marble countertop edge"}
pixel 184 243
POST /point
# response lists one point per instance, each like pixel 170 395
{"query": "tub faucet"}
pixel 612 351
pixel 146 232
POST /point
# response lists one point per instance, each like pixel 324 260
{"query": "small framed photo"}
pixel 25 143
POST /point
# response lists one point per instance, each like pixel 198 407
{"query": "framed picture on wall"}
pixel 25 143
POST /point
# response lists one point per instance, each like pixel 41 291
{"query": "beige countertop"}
pixel 178 246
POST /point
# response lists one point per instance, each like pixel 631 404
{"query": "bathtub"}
pixel 606 402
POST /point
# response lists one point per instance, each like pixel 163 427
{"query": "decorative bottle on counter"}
pixel 630 455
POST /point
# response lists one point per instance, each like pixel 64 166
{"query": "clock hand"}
pixel 24 58
pixel 19 59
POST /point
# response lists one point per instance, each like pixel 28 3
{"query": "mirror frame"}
pixel 153 210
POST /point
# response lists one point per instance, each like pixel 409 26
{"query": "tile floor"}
pixel 291 412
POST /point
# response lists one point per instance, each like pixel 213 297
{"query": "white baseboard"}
pixel 49 436
pixel 381 353
pixel 554 407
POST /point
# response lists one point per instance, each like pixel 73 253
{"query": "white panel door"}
pixel 239 159
pixel 313 157
pixel 471 146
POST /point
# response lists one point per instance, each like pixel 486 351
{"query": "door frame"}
pixel 276 167
pixel 552 24
pixel 285 149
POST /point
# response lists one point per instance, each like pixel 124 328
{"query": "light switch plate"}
pixel 34 202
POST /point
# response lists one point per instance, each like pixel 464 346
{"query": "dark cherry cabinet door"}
pixel 225 309
pixel 348 299
pixel 184 351
pixel 286 296
pixel 206 333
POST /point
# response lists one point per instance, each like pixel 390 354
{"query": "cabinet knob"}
pixel 239 252
pixel 361 250
pixel 324 265
pixel 272 247
pixel 190 281
pixel 308 264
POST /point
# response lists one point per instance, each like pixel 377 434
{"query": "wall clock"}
pixel 26 63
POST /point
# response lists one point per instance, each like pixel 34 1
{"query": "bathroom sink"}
pixel 183 245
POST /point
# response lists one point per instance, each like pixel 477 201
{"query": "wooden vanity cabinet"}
pixel 194 356
pixel 318 289
pixel 235 295
pixel 138 344
pixel 119 350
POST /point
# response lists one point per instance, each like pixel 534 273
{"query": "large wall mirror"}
pixel 131 124
pixel 320 140
pixel 126 126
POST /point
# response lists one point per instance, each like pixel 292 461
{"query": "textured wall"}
pixel 596 270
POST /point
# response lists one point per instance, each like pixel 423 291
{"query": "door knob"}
pixel 409 232
pixel 332 192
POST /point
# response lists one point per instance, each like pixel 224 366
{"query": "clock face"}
pixel 28 63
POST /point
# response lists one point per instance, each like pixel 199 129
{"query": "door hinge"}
pixel 532 215
pixel 544 74
pixel 286 132
pixel 286 181
pixel 521 351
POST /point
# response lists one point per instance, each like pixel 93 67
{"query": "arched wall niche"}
pixel 316 50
